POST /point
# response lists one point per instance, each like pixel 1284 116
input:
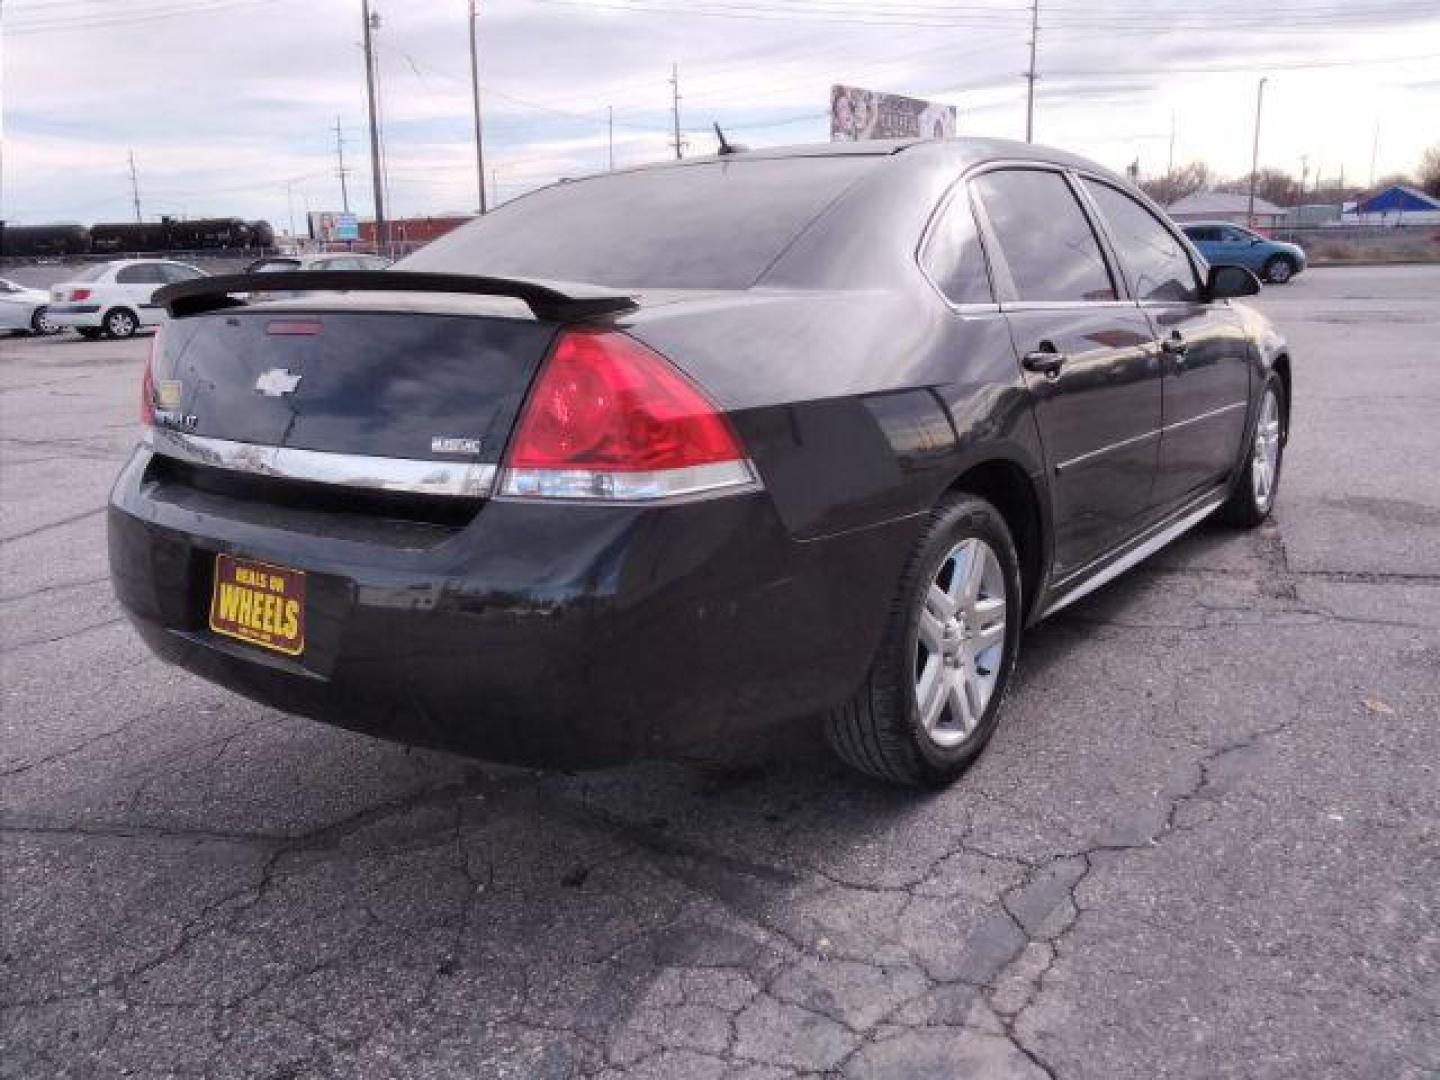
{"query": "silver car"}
pixel 25 309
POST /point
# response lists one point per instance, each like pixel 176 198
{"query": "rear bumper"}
pixel 540 634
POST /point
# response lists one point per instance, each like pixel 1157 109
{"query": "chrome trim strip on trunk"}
pixel 1137 554
pixel 457 479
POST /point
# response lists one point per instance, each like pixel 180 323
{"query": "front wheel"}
pixel 1253 496
pixel 1279 270
pixel 932 698
pixel 121 323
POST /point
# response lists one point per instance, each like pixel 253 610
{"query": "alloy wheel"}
pixel 960 643
pixel 120 324
pixel 1280 272
pixel 1265 462
pixel 41 323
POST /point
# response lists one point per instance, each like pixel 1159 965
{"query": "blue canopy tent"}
pixel 1398 199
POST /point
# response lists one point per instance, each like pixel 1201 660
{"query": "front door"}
pixel 1088 359
pixel 1206 366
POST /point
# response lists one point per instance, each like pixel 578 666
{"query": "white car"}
pixel 24 309
pixel 115 298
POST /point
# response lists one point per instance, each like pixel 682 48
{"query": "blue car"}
pixel 1232 245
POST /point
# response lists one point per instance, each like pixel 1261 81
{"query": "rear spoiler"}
pixel 557 301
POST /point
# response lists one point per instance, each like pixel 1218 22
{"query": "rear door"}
pixel 1087 356
pixel 1204 353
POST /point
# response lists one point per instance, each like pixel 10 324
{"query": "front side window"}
pixel 1153 259
pixel 1044 236
pixel 140 274
pixel 953 257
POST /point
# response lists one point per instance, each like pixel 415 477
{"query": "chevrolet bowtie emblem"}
pixel 277 381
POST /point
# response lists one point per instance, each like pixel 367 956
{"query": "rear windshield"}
pixel 717 225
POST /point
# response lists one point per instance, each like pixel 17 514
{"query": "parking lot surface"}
pixel 1204 843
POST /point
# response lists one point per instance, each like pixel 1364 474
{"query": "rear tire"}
pixel 932 698
pixel 1279 270
pixel 121 323
pixel 1253 495
pixel 40 322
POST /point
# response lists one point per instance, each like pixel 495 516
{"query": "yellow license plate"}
pixel 259 603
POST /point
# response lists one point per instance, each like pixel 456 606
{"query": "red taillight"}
pixel 147 384
pixel 79 294
pixel 609 418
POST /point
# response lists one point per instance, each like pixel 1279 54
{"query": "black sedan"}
pixel 648 460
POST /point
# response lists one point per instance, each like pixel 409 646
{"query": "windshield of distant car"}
pixel 274 266
pixel 91 273
pixel 711 225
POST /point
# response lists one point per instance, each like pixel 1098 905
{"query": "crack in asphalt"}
pixel 38 529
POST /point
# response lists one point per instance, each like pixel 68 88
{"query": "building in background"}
pixel 1226 206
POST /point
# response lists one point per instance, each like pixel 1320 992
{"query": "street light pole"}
pixel 475 91
pixel 1255 152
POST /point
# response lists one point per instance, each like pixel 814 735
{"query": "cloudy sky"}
pixel 230 105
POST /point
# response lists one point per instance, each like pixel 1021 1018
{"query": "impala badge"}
pixel 277 381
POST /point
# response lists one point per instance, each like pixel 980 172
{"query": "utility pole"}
pixel 1304 173
pixel 290 204
pixel 134 187
pixel 494 186
pixel 1374 151
pixel 371 23
pixel 610 124
pixel 1170 163
pixel 675 109
pixel 1030 75
pixel 475 92
pixel 1255 151
pixel 341 170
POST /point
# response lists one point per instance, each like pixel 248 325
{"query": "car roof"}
pixel 961 152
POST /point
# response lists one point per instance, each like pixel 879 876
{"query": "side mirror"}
pixel 1224 282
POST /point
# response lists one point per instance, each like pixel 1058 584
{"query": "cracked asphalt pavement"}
pixel 1204 843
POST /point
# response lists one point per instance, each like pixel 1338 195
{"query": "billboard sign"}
pixel 857 114
pixel 330 226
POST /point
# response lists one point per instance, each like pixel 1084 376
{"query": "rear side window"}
pixel 179 272
pixel 713 225
pixel 1153 260
pixel 1044 236
pixel 953 257
pixel 1203 234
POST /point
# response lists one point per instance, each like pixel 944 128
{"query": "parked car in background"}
pixel 655 458
pixel 314 262
pixel 1224 244
pixel 24 309
pixel 333 260
pixel 115 298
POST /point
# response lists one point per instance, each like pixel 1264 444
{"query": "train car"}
pixel 44 239
pixel 203 233
pixel 107 238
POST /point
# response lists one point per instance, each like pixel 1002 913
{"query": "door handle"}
pixel 1046 360
pixel 1175 345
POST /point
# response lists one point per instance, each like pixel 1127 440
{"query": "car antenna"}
pixel 726 146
